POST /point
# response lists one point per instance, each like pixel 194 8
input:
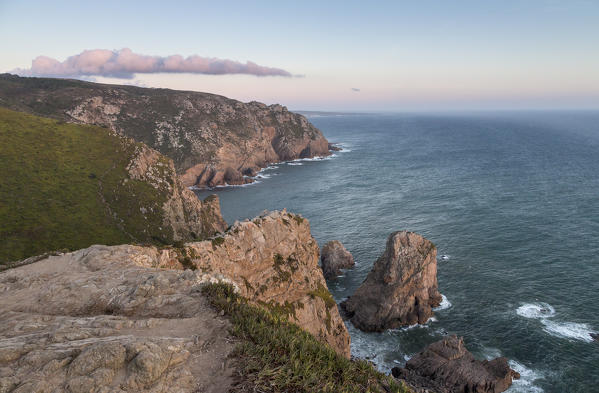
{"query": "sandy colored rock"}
pixel 102 319
pixel 333 258
pixel 446 366
pixel 401 288
pixel 273 259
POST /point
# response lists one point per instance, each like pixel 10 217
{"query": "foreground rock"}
pixel 333 258
pixel 102 319
pixel 401 288
pixel 274 261
pixel 448 367
pixel 213 140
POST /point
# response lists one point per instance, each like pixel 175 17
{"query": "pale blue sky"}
pixel 425 55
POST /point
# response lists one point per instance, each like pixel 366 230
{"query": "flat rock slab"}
pixel 103 320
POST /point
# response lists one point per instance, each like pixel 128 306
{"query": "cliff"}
pixel 273 259
pixel 115 319
pixel 212 140
pixel 67 186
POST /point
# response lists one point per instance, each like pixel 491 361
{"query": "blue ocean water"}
pixel 511 199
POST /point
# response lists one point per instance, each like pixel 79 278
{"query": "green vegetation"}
pixel 217 241
pixel 66 186
pixel 275 355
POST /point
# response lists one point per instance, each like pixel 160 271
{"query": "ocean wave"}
pixel 445 304
pixel 545 312
pixel 569 330
pixel 527 378
pixel 345 147
pixel 295 163
pixel 445 257
pixel 537 310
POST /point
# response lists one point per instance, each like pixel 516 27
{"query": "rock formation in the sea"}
pixel 69 186
pixel 273 259
pixel 213 140
pixel 104 319
pixel 446 366
pixel 333 258
pixel 401 288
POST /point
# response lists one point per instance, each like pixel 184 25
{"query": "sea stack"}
pixel 446 366
pixel 401 288
pixel 334 257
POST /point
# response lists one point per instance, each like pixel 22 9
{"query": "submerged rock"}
pixel 446 366
pixel 333 258
pixel 401 288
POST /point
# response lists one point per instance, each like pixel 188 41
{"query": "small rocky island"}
pixel 334 257
pixel 446 366
pixel 401 288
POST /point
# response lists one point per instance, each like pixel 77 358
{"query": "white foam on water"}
pixel 345 147
pixel 527 378
pixel 537 310
pixel 445 304
pixel 569 330
pixel 445 257
pixel 294 163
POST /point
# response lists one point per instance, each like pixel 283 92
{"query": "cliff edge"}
pixel 213 140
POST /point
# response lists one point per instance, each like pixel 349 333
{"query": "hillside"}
pixel 212 140
pixel 67 186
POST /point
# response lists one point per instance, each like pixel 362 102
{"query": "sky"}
pixel 317 55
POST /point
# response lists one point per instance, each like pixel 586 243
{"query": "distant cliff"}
pixel 68 186
pixel 212 140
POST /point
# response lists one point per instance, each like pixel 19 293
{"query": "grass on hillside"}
pixel 62 187
pixel 275 355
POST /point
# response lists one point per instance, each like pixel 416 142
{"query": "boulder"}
pixel 446 366
pixel 401 288
pixel 333 258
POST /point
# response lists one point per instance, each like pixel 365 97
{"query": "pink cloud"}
pixel 124 64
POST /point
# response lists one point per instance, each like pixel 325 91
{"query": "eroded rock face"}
pixel 333 258
pixel 401 288
pixel 187 216
pixel 446 366
pixel 213 140
pixel 102 319
pixel 274 260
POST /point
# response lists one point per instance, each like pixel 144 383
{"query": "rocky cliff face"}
pixel 273 259
pixel 182 211
pixel 68 186
pixel 105 319
pixel 446 366
pixel 401 289
pixel 213 140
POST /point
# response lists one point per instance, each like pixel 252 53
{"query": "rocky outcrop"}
pixel 333 258
pixel 182 211
pixel 401 288
pixel 446 366
pixel 273 259
pixel 105 319
pixel 213 140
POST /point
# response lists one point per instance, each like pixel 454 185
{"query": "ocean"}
pixel 511 199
